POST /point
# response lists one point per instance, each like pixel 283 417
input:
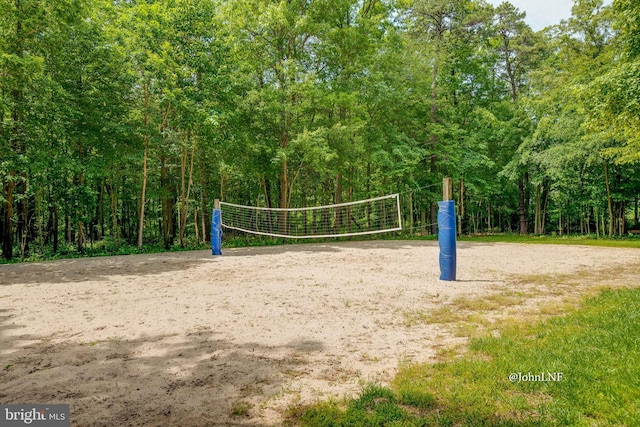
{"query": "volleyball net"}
pixel 371 216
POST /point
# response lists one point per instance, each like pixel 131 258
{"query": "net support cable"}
pixel 371 216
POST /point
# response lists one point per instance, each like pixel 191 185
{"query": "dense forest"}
pixel 122 120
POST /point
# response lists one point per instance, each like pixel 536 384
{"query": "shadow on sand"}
pixel 100 268
pixel 166 380
pixel 329 247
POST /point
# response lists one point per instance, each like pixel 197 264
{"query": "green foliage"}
pixel 616 113
pixel 104 248
pixel 276 103
pixel 626 14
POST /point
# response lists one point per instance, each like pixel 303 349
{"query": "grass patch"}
pixel 620 242
pixel 589 240
pixel 443 314
pixel 475 326
pixel 492 301
pixel 376 406
pixel 465 309
pixel 596 349
pixel 240 409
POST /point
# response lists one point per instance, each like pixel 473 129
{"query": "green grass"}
pixel 240 409
pixel 590 240
pixel 596 348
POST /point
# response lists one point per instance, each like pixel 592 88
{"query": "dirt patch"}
pixel 188 339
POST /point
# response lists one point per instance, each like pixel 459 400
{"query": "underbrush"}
pixel 107 247
pixel 102 248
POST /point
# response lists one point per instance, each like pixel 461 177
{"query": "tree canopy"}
pixel 122 121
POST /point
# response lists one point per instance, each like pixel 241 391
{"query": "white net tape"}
pixel 371 216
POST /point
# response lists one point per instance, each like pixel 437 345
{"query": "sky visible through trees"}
pixel 543 13
pixel 122 121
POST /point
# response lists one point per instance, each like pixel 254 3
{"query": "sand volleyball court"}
pixel 186 339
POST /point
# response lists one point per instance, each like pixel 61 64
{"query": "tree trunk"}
pixel 101 210
pixel 522 207
pixel 80 236
pixel 17 97
pixel 337 219
pixel 588 221
pixel 7 222
pixel 439 31
pixel 560 221
pixel 167 204
pixel 1 219
pixel 203 215
pixel 115 232
pixel 56 227
pixel 609 201
pixel 23 220
pixel 182 214
pixel 266 186
pixel 368 210
pixel 544 209
pixel 433 213
pixel 538 213
pixel 195 225
pixel 284 184
pixel 461 214
pixel 411 213
pixel 348 216
pixel 40 218
pixel 184 205
pixel 143 195
pixel 433 208
pixel 78 181
pixel 303 204
pixel 222 193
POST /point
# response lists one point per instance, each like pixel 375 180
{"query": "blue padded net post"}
pixel 216 232
pixel 447 239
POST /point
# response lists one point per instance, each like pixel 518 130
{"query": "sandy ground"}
pixel 187 339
